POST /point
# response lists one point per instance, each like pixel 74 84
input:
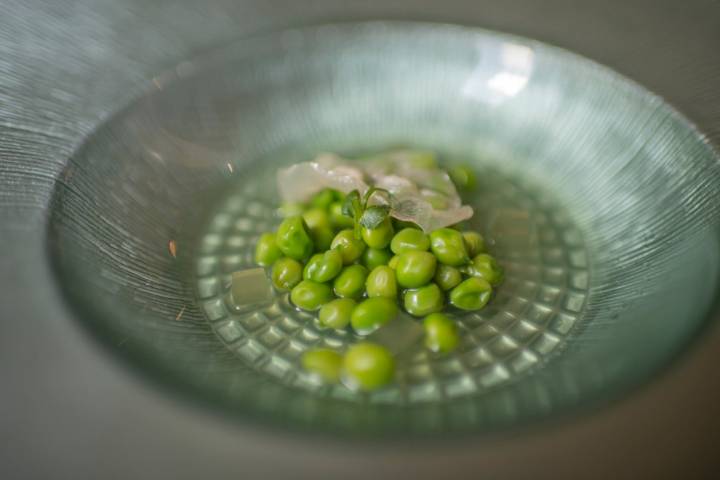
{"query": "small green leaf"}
pixel 347 206
pixel 351 206
pixel 371 191
pixel 373 216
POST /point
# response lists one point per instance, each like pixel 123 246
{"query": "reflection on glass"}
pixel 501 73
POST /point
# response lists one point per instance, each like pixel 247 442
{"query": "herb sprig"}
pixel 364 214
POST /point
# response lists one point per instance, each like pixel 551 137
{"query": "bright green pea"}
pixel 424 300
pixel 350 247
pixel 324 198
pixel 381 282
pixel 447 277
pixel 380 236
pixel 393 263
pixel 441 333
pixel 337 219
pixel 325 363
pixel 310 295
pixel 322 238
pixel 316 218
pixel 472 294
pixel 266 250
pixel 449 247
pixel 415 268
pixel 463 177
pixel 293 238
pixel 351 282
pixel 486 267
pixel 336 314
pixel 374 257
pixel 323 267
pixel 409 239
pixel 286 273
pixel 368 366
pixel 321 232
pixel 373 313
pixel 474 243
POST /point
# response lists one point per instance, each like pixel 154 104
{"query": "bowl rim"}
pixel 245 48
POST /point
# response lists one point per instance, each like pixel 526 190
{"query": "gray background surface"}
pixel 69 410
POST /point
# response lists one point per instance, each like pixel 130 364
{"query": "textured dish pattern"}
pixel 529 319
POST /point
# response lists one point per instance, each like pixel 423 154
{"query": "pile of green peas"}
pixel 361 277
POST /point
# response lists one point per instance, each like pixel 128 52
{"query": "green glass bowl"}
pixel 600 201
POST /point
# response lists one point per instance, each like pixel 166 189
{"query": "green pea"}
pixel 441 333
pixel 409 239
pixel 449 247
pixel 415 268
pixel 293 238
pixel 463 177
pixel 474 243
pixel 393 263
pixel 321 232
pixel 324 198
pixel 373 313
pixel 310 295
pixel 368 366
pixel 381 282
pixel 336 314
pixel 472 294
pixel 266 250
pixel 323 267
pixel 380 236
pixel 316 218
pixel 486 267
pixel 322 238
pixel 424 300
pixel 337 219
pixel 350 247
pixel 324 363
pixel 291 209
pixel 447 277
pixel 351 282
pixel 374 257
pixel 286 273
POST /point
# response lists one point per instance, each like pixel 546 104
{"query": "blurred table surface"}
pixel 70 411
